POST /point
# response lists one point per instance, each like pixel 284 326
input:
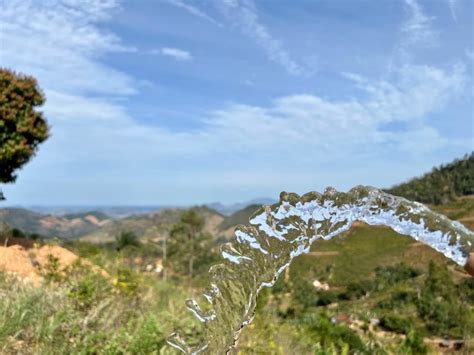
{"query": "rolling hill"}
pixel 443 184
pixel 152 225
pixel 67 226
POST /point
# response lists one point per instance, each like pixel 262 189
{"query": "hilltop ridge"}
pixel 443 184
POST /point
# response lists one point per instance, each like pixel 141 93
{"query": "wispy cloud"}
pixel 416 33
pixel 453 8
pixel 52 40
pixel 175 53
pixel 418 29
pixel 243 13
pixel 193 10
pixel 100 152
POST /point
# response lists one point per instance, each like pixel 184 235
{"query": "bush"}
pixel 440 304
pixel 395 323
pixel 357 290
pixel 126 239
pixel 397 300
pixel 52 270
pixel 86 289
pixel 414 344
pixel 304 293
pixel 390 275
pixel 16 233
pixel 322 333
pixel 127 281
pixel 325 298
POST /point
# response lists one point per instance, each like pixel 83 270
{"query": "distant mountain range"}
pixel 117 212
pixel 105 223
pixel 110 211
pixel 231 208
pixel 66 226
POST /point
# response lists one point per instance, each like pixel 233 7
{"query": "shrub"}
pixel 127 281
pixel 325 298
pixel 397 299
pixel 357 290
pixel 395 323
pixel 414 344
pixel 86 288
pixel 389 275
pixel 126 239
pixel 52 270
pixel 440 304
pixel 16 233
pixel 304 293
pixel 322 333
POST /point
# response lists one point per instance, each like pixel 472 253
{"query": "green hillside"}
pixel 66 226
pixel 386 294
pixel 443 184
pixel 151 225
pixel 240 217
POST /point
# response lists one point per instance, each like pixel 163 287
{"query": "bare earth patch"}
pixel 27 264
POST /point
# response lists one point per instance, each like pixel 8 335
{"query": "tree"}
pixel 22 127
pixel 190 248
pixel 442 184
pixel 125 239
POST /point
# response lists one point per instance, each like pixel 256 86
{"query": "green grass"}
pixel 87 314
pixel 460 208
pixel 132 312
pixel 360 251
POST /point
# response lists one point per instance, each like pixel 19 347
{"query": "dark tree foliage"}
pixel 126 239
pixel 442 184
pixel 190 247
pixel 439 305
pixel 336 338
pixel 22 128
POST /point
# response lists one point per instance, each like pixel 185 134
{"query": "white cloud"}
pixel 193 10
pixel 175 53
pixel 453 4
pixel 418 29
pixel 96 143
pixel 243 14
pixel 416 33
pixel 59 43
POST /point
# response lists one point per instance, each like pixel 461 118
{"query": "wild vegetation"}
pixel 385 294
pixel 443 184
pixel 121 287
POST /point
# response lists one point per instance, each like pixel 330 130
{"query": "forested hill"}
pixel 442 184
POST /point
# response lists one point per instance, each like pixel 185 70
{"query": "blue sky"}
pixel 183 102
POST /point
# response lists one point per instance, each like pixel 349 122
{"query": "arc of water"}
pixel 276 234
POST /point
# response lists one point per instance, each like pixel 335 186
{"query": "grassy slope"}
pixel 240 217
pixel 443 184
pixel 52 319
pixel 358 253
pixel 363 248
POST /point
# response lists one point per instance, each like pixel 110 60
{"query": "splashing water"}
pixel 279 233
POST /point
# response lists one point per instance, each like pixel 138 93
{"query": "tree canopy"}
pixel 442 184
pixel 190 246
pixel 22 127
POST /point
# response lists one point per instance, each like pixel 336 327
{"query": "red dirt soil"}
pixel 26 264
